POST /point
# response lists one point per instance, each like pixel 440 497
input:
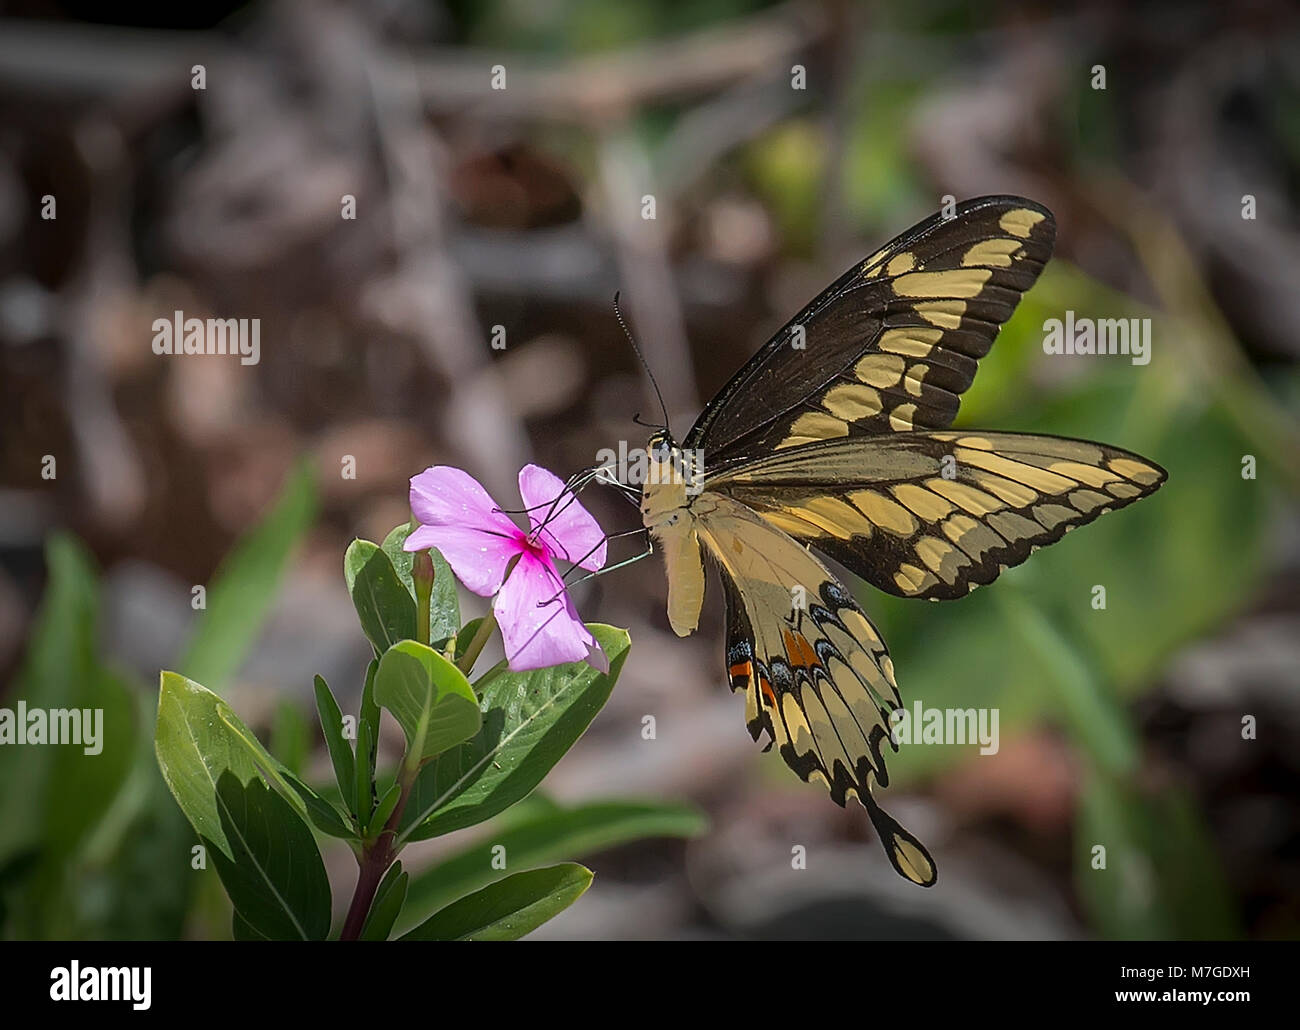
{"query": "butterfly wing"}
pixel 892 344
pixel 935 515
pixel 817 676
pixel 834 437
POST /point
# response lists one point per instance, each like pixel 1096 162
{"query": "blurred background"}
pixel 1165 137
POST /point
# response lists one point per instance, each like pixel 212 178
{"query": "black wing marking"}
pixel 891 344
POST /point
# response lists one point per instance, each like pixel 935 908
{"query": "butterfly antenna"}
pixel 644 364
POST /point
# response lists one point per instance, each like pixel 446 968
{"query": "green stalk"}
pixel 375 860
pixel 476 643
pixel 422 574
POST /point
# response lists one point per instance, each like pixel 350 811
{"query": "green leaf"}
pixel 387 905
pixel 507 909
pixel 429 697
pixel 137 862
pixel 82 786
pixel 258 841
pixel 198 740
pixel 70 807
pixel 530 719
pixel 241 931
pixel 363 792
pixel 383 810
pixel 331 724
pixel 385 607
pixel 244 586
pixel 465 637
pixel 444 604
pixel 549 835
pixel 1097 720
pixel 325 816
pixel 273 871
pixel 369 708
pixel 59 664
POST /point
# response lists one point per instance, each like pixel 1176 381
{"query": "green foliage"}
pixel 388 903
pixel 471 752
pixel 331 723
pixel 444 604
pixel 91 846
pixel 545 833
pixel 385 607
pixel 273 872
pixel 1160 879
pixel 52 797
pixel 200 740
pixel 324 816
pixel 244 587
pixel 507 909
pixel 115 832
pixel 430 698
pixel 530 719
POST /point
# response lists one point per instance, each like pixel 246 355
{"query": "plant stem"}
pixel 375 860
pixel 476 644
pixel 422 575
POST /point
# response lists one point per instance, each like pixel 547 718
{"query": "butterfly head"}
pixel 663 460
pixel 660 447
pixel 669 480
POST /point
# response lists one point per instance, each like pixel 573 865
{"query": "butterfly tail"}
pixel 907 854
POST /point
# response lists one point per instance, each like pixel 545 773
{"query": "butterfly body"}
pixel 833 439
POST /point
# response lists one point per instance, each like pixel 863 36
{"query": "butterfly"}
pixel 833 441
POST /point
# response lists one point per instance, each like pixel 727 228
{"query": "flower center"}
pixel 530 545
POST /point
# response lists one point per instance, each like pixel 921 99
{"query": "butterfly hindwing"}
pixel 817 676
pixel 892 344
pixel 936 514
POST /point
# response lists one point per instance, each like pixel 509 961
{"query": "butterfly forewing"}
pixel 892 344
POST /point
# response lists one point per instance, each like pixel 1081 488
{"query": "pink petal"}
pixel 479 559
pixel 571 533
pixel 596 657
pixel 446 496
pixel 538 628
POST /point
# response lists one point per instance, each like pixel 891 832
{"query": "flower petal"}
pixel 596 657
pixel 570 531
pixel 445 496
pixel 538 628
pixel 479 559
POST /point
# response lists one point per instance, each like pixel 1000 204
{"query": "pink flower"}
pixel 539 624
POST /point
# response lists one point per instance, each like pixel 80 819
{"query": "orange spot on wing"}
pixel 799 650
